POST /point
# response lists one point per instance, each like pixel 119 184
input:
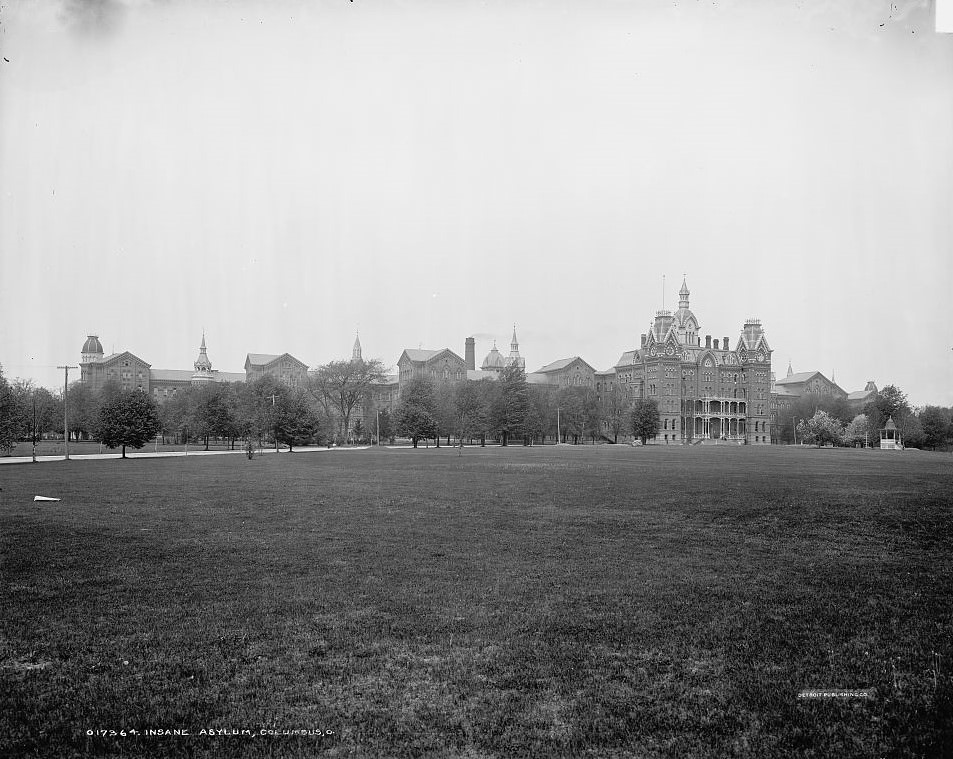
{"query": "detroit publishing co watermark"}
pixel 209 732
pixel 830 693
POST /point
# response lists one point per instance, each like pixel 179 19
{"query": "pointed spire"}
pixel 790 370
pixel 515 359
pixel 683 295
pixel 203 367
pixel 356 350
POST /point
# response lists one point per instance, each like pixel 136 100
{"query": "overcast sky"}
pixel 283 174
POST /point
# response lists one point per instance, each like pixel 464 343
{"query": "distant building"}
pixel 131 372
pixel 567 372
pixel 283 367
pixel 860 398
pixel 785 393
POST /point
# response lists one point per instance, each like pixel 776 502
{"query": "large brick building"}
pixel 709 391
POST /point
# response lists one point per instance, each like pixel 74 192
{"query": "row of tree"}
pixel 826 421
pixel 509 409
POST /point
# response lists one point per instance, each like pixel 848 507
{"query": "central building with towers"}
pixel 706 390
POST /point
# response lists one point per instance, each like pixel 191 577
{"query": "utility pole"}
pixel 378 428
pixel 33 431
pixel 557 425
pixel 66 406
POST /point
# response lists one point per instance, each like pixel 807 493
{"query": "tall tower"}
pixel 92 352
pixel 515 359
pixel 356 350
pixel 203 367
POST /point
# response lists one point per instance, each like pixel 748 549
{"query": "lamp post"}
pixel 794 422
pixel 557 425
pixel 378 428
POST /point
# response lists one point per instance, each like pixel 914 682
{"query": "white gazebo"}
pixel 889 437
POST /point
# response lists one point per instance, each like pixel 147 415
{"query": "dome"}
pixel 92 345
pixel 494 360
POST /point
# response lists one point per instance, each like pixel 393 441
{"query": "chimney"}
pixel 724 345
pixel 470 353
pixel 708 341
pixel 716 343
pixel 644 338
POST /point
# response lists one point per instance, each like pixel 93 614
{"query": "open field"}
pixel 570 601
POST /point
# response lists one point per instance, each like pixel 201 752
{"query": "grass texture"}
pixel 600 601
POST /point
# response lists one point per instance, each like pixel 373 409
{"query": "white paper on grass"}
pixel 44 498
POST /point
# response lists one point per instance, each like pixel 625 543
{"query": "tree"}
pixel 541 416
pixel 935 422
pixel 820 429
pixel 10 422
pixel 359 431
pixel 858 431
pixel 890 403
pixel 340 386
pixel 84 407
pixel 384 426
pixel 613 410
pixel 295 422
pixel 469 411
pixel 444 409
pixel 510 403
pixel 414 417
pixel 212 413
pixel 129 418
pixel 644 419
pixel 913 436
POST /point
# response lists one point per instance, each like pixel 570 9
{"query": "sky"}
pixel 283 175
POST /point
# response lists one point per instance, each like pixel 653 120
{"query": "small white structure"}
pixel 889 437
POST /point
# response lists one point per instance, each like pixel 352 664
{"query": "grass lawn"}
pixel 601 601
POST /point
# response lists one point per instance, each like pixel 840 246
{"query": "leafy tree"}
pixel 858 431
pixel 294 420
pixel 613 408
pixel 935 422
pixel 10 422
pixel 359 431
pixel 571 413
pixel 579 412
pixel 469 409
pixel 175 414
pixel 212 412
pixel 891 402
pixel 644 421
pixel 913 436
pixel 820 429
pixel 129 418
pixel 84 407
pixel 510 404
pixel 341 386
pixel 383 425
pixel 541 417
pixel 415 415
pixel 36 409
pixel 444 409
